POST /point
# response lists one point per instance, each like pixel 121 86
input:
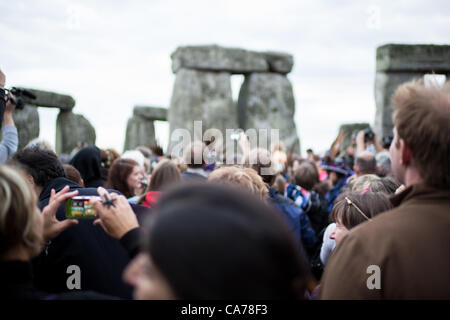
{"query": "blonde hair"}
pixel 17 212
pixel 363 182
pixel 244 178
pixel 422 117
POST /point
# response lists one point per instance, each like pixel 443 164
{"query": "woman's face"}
pixel 134 179
pixel 147 280
pixel 339 232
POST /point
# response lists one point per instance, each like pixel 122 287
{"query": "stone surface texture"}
pixel 279 61
pixel 51 100
pixel 27 124
pixel 202 96
pixel 349 129
pixel 385 86
pixel 140 132
pixel 266 101
pixel 400 63
pixel 151 113
pixel 70 129
pixel 413 58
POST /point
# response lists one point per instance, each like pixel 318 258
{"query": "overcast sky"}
pixel 112 55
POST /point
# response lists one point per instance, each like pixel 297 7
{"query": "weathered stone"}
pixel 140 132
pixel 51 100
pixel 202 96
pixel 279 61
pixel 266 101
pixel 348 129
pixel 27 123
pixel 413 58
pixel 385 86
pixel 70 129
pixel 216 58
pixel 151 113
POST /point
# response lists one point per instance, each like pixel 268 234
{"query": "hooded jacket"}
pixel 88 162
pixel 101 259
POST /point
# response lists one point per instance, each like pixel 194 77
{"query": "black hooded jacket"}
pixel 88 162
pixel 101 259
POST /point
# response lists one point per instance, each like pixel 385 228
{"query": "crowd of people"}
pixel 365 221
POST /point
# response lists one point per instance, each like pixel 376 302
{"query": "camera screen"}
pixel 80 207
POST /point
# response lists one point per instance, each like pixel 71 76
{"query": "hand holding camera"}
pixel 114 213
pixel 52 226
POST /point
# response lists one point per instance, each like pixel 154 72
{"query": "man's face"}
pixel 395 151
pixel 147 280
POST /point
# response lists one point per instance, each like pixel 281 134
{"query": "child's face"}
pixel 339 232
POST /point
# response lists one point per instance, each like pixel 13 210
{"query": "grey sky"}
pixel 111 55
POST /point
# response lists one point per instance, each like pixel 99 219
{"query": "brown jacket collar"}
pixel 419 192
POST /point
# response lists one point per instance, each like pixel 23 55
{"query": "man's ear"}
pixel 356 169
pixel 406 153
pixel 30 180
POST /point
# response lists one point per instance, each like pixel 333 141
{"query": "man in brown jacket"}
pixel 404 253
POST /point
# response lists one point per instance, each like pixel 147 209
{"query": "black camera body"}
pixel 368 135
pixel 20 93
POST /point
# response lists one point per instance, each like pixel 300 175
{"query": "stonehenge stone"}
pixel 399 63
pixel 351 128
pixel 150 113
pixel 385 86
pixel 27 124
pixel 51 100
pixel 266 101
pixel 232 60
pixel 220 59
pixel 70 129
pixel 279 61
pixel 413 58
pixel 140 132
pixel 201 96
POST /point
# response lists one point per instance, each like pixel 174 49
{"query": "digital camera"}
pixel 80 207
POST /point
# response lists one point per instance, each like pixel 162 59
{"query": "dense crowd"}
pixel 365 221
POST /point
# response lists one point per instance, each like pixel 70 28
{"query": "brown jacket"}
pixel 410 244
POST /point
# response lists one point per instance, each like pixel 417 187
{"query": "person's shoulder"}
pixel 93 191
pixel 378 237
pixel 186 175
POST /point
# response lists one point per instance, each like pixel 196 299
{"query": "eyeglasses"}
pixel 351 203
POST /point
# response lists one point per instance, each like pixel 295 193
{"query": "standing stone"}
pixel 202 96
pixel 385 86
pixel 140 132
pixel 70 129
pixel 266 101
pixel 399 63
pixel 27 124
pixel 349 129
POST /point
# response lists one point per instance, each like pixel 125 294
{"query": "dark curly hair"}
pixel 43 165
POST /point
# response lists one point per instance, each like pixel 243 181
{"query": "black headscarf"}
pixel 88 161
